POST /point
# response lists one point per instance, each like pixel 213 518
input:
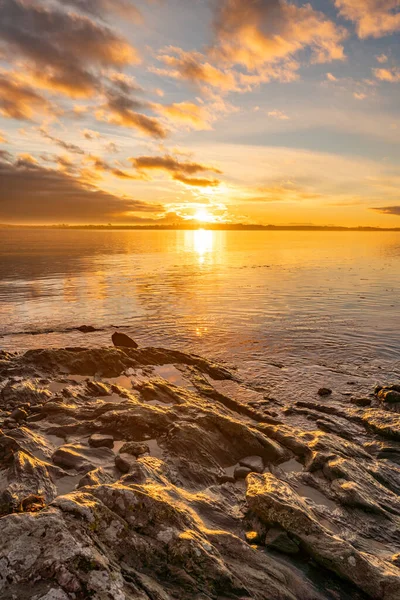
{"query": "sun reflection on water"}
pixel 202 241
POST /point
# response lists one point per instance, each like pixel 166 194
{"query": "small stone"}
pixel 135 448
pixel 241 472
pixel 361 401
pixel 324 392
pixel 99 440
pixel 226 479
pixel 278 539
pixel 255 463
pixel 120 340
pixel 86 329
pixel 124 462
pixel 19 414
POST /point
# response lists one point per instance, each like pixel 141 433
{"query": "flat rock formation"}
pixel 149 474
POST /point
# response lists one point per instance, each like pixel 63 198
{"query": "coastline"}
pixel 150 473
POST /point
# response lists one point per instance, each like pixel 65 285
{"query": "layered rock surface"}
pixel 149 474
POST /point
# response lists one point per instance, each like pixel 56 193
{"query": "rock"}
pixel 100 440
pixel 19 415
pixel 95 477
pixel 96 388
pixel 324 392
pixel 255 463
pixel 254 538
pixel 120 340
pixel 361 401
pixel 124 462
pixel 390 396
pixel 278 539
pixel 82 458
pixel 86 329
pixel 135 448
pixel 241 472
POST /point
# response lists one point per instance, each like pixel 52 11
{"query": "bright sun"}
pixel 203 216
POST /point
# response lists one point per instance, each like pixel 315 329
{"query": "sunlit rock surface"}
pixel 149 474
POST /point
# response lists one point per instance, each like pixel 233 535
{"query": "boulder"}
pixel 324 392
pixel 255 463
pixel 120 340
pixel 135 448
pixel 125 462
pixel 100 440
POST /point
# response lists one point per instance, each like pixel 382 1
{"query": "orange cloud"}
pixel 193 66
pixel 390 75
pixel 61 50
pixel 260 32
pixel 19 101
pixel 373 18
pixel 186 113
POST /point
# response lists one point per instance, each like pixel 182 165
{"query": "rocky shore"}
pixel 148 474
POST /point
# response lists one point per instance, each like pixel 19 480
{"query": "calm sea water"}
pixel 331 299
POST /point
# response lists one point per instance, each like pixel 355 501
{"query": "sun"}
pixel 203 216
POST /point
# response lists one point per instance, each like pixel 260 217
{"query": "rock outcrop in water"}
pixel 128 474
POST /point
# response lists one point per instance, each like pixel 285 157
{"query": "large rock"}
pixel 120 340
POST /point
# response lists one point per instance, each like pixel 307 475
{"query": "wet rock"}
pixel 123 341
pixel 389 395
pixel 278 539
pixel 241 472
pixel 254 463
pixel 100 440
pixel 125 462
pixel 86 329
pixel 19 414
pixel 82 458
pixel 274 502
pixel 95 477
pixel 96 388
pixel 324 392
pixel 135 448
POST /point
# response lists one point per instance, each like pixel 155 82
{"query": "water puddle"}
pixel 123 381
pixel 67 484
pixel 312 494
pixel 236 391
pixel 171 374
pixel 55 387
pixel 291 466
pixel 155 449
pixel 118 445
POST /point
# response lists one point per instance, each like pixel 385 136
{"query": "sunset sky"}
pixel 252 111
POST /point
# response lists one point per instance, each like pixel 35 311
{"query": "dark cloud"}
pixel 101 165
pixel 31 193
pixel 388 210
pixel 121 109
pixel 178 170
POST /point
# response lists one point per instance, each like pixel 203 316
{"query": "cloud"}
pixel 120 109
pixel 34 193
pixel 182 171
pixel 193 67
pixel 101 165
pixel 391 75
pixel 382 58
pixel 278 114
pixel 69 147
pixel 61 50
pixel 19 101
pixel 186 113
pixel 123 8
pixel 3 139
pixel 331 77
pixel 388 210
pixel 373 18
pixel 254 34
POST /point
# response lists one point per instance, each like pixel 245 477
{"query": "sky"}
pixel 163 111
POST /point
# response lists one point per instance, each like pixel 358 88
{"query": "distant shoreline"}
pixel 205 226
